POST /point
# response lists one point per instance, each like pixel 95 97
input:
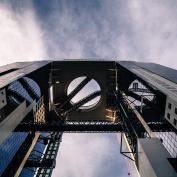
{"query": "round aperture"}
pixel 24 89
pixel 140 90
pixel 90 87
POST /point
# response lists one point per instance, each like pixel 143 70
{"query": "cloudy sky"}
pixel 110 29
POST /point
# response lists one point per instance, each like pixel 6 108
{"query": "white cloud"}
pixel 20 36
pixel 129 30
pixel 154 30
pixel 89 155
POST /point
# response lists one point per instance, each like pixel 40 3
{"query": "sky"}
pixel 108 29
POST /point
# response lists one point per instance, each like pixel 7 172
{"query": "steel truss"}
pixel 134 126
pixel 128 121
pixel 91 127
pixel 45 163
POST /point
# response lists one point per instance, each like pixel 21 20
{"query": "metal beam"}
pixel 50 153
pixel 15 166
pixel 140 118
pixel 13 119
pixel 29 89
pixel 74 92
pixel 19 170
pixel 16 95
pixel 87 127
pixel 72 127
pixel 82 102
pixel 140 90
pixel 145 100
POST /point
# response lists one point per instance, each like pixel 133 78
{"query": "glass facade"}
pixel 169 141
pixel 9 147
pixel 160 70
pixel 33 85
pixel 12 143
pixel 19 88
pixel 36 153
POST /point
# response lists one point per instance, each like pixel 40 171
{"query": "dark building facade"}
pixel 138 100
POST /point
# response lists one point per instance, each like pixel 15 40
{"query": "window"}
pixel 135 86
pixel 168 115
pixel 169 105
pixel 175 110
pixel 174 121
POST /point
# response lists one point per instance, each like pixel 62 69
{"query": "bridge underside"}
pixel 35 99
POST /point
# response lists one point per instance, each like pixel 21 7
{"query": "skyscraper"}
pixel 41 100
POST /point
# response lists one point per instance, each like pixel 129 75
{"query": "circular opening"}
pixel 141 90
pixel 21 89
pixel 91 87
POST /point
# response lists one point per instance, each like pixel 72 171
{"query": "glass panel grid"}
pixel 9 147
pixel 169 141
